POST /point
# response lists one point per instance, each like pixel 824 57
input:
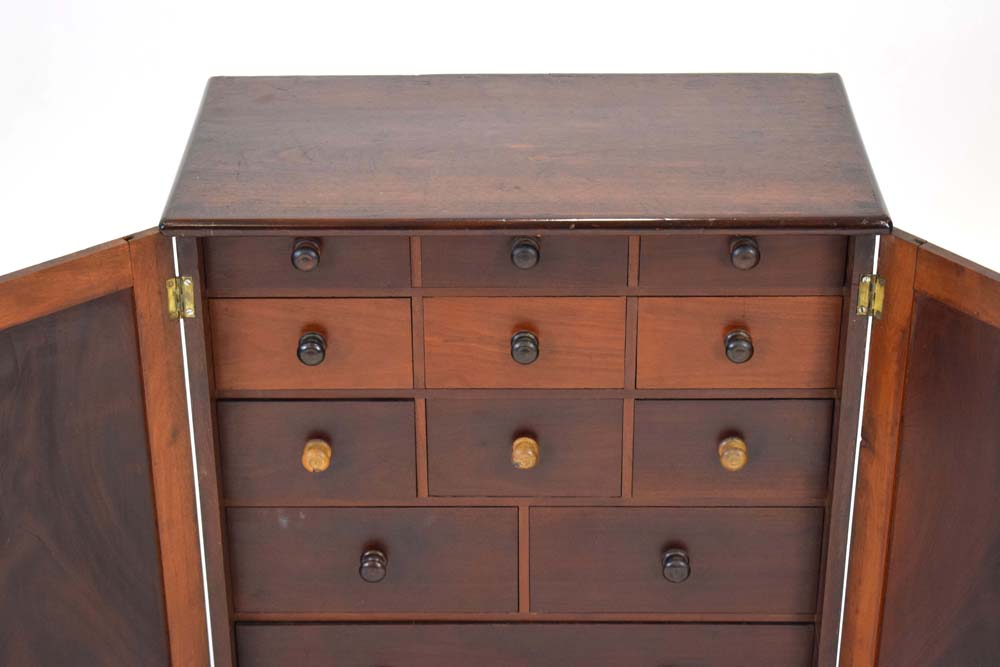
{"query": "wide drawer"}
pixel 255 343
pixel 580 341
pixel 245 264
pixel 554 261
pixel 739 560
pixel 682 342
pixel 693 264
pixel 439 559
pixel 748 450
pixel 564 447
pixel 307 452
pixel 524 645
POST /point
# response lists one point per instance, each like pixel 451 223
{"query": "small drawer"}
pixel 308 452
pixel 738 342
pixel 364 344
pixel 524 261
pixel 569 342
pixel 751 451
pixel 693 560
pixel 524 645
pixel 706 264
pixel 524 447
pixel 372 560
pixel 297 265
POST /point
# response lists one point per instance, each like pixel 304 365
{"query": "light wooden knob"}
pixel 524 453
pixel 316 455
pixel 733 453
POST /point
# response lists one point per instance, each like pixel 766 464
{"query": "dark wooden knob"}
pixel 524 347
pixel 305 254
pixel 744 253
pixel 312 348
pixel 525 253
pixel 676 565
pixel 739 346
pixel 374 566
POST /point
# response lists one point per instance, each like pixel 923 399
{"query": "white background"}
pixel 97 97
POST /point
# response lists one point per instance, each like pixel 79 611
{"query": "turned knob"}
pixel 524 453
pixel 374 566
pixel 739 346
pixel 744 253
pixel 316 455
pixel 733 454
pixel 305 254
pixel 525 253
pixel 312 348
pixel 676 565
pixel 524 347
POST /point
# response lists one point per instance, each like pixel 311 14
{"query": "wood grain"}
pixel 497 645
pixel 440 559
pixel 681 342
pixel 68 281
pixel 568 151
pixel 484 261
pixel 677 450
pixel 959 283
pixel 80 566
pixel 948 470
pixel 889 349
pixel 255 343
pixel 261 448
pixel 169 450
pixel 749 560
pixel 250 264
pixel 469 445
pixel 703 263
pixel 467 341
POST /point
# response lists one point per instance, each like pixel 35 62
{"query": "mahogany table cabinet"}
pixel 507 371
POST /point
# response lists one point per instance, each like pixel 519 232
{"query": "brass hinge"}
pixel 180 297
pixel 871 295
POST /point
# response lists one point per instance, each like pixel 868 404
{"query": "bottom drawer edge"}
pixel 524 644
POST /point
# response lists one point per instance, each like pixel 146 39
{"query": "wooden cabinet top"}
pixel 731 151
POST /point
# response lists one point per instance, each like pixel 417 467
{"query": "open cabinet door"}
pixel 924 577
pixel 99 551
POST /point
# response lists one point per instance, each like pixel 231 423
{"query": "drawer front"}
pixel 471 447
pixel 682 342
pixel 741 560
pixel 273 452
pixel 255 343
pixel 438 559
pixel 705 263
pixel 581 342
pixel 748 450
pixel 558 261
pixel 265 263
pixel 524 645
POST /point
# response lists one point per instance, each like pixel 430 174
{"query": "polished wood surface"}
pixel 929 495
pixel 570 151
pixel 497 645
pixel 255 340
pixel 485 261
pixel 677 450
pixel 248 265
pixel 744 560
pixel 169 449
pixel 469 444
pixel 440 559
pixel 467 341
pixel 79 565
pixel 681 342
pixel 703 263
pixel 262 443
